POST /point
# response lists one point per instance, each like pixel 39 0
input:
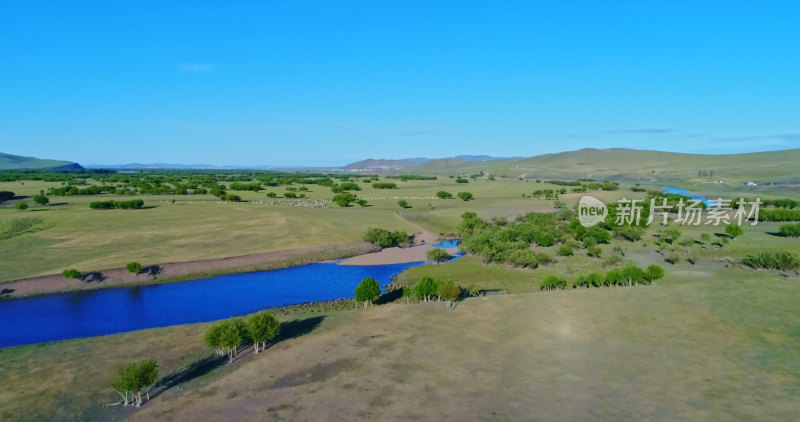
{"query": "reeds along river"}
pixel 114 310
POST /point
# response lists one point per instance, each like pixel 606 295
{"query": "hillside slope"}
pixel 17 162
pixel 629 164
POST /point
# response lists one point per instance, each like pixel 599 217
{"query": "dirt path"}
pixel 176 271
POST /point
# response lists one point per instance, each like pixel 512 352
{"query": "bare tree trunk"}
pixel 255 345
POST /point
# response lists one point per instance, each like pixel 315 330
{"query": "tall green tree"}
pixel 368 291
pixel 261 328
pixel 132 378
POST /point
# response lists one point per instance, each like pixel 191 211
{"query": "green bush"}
pixel 444 194
pixel 385 185
pixel 368 291
pixel 344 199
pixel 789 230
pixel 553 282
pixel 565 250
pixel 125 205
pixel 402 204
pixel 465 196
pixel 733 230
pixel 782 260
pixel 594 252
pixel 272 195
pixel 438 255
pixel 425 289
pixel 385 238
pixel 21 206
pixel 71 273
pixel 134 267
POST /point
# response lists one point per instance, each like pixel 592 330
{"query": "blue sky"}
pixel 330 82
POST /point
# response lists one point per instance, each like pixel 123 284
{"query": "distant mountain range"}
pixel 383 166
pixel 768 167
pixel 17 162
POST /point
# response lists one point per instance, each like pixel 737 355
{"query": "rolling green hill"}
pixel 16 162
pixel 633 165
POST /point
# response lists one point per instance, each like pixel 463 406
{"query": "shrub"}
pixel 444 194
pixel 402 204
pixel 272 195
pixel 733 230
pixel 462 180
pixel 290 195
pixel 779 215
pixel 524 258
pixel 465 196
pixel 125 205
pixel 41 199
pixel 343 199
pixel 789 230
pixel 384 238
pixel 6 195
pixel 134 267
pixel 782 260
pixel 612 260
pixel 594 252
pixel 21 206
pixel 361 203
pixel 565 250
pixel 71 273
pixel 589 280
pixel 349 186
pixel 653 272
pixel 438 255
pixel 385 185
pixel 673 258
pixel 553 282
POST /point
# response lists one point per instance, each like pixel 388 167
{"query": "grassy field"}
pixel 717 344
pixel 202 227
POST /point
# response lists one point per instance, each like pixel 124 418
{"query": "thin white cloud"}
pixel 197 67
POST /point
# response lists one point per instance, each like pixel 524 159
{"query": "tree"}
pixel 362 202
pixel 21 206
pixel 134 377
pixel 402 203
pixel 232 332
pixel 449 292
pixel 367 291
pixel 444 195
pixel 41 199
pixel 6 195
pixel 438 255
pixel 734 230
pixel 134 267
pixel 425 289
pixel 212 339
pixel 71 273
pixel 465 196
pixel 272 195
pixel 261 328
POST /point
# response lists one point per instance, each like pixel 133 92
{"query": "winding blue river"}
pixel 114 310
pixel 687 193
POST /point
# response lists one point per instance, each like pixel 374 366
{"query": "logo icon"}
pixel 591 211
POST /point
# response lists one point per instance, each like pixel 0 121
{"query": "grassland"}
pixel 196 227
pixel 717 344
pixel 712 340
